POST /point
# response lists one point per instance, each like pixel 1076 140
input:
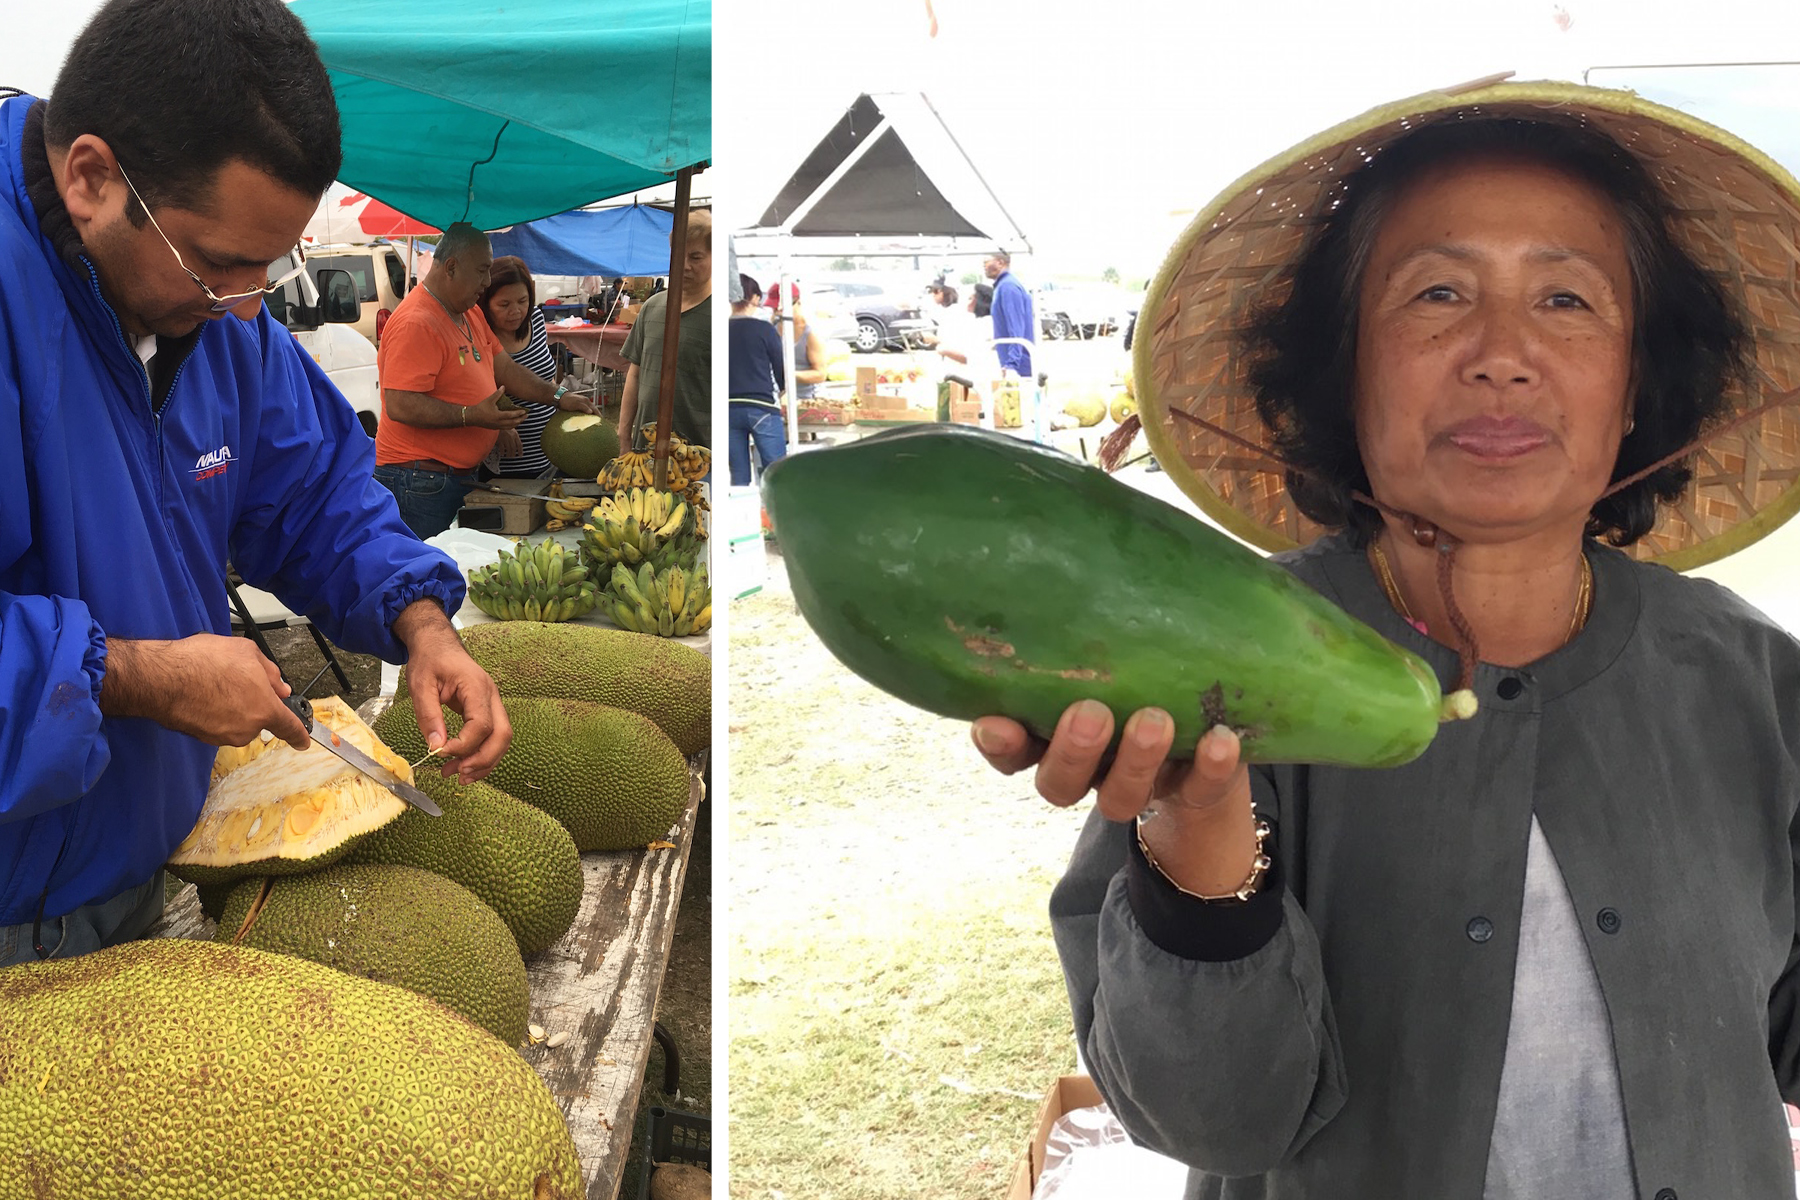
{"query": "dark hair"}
pixel 750 287
pixel 178 88
pixel 984 299
pixel 510 269
pixel 1687 347
pixel 947 295
pixel 1004 258
pixel 458 237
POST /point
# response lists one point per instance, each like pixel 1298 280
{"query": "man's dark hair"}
pixel 750 287
pixel 1688 342
pixel 984 299
pixel 1004 258
pixel 458 239
pixel 510 269
pixel 178 88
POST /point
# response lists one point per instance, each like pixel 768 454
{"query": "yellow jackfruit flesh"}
pixel 395 925
pixel 273 810
pixel 186 1070
pixel 614 780
pixel 516 859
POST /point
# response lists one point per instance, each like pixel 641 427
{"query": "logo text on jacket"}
pixel 212 464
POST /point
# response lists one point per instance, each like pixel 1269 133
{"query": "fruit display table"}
pixel 598 344
pixel 598 984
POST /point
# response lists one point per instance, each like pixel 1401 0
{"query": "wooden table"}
pixel 599 983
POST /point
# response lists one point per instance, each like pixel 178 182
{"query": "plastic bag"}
pixel 1090 1157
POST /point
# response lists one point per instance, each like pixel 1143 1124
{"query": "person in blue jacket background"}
pixel 155 423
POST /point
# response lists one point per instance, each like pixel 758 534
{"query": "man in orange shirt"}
pixel 442 372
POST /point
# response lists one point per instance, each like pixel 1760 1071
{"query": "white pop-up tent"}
pixel 887 177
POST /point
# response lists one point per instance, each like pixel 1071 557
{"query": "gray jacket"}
pixel 1341 1035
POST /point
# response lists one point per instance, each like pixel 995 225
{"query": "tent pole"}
pixel 785 315
pixel 665 406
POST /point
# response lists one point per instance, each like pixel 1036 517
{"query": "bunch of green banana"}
pixel 639 526
pixel 540 583
pixel 673 602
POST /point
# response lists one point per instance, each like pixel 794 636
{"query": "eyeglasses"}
pixel 219 303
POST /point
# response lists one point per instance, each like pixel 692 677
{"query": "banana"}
pixel 573 575
pixel 704 619
pixel 554 524
pixel 677 586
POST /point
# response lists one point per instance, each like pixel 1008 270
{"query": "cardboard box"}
pixel 1068 1092
pixel 865 383
pixel 499 512
pixel 812 413
pixel 966 412
pixel 628 315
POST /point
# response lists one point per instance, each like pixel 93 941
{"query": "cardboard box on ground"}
pixel 1068 1092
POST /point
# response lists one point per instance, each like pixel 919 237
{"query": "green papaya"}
pixel 972 573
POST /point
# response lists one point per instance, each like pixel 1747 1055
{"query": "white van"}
pixel 326 329
pixel 379 271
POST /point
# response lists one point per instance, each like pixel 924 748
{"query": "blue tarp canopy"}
pixel 499 112
pixel 632 240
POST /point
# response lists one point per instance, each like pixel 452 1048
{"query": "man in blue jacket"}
pixel 156 422
pixel 1012 315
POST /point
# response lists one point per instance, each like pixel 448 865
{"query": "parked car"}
pixel 885 318
pixel 325 326
pixel 379 270
pixel 1081 310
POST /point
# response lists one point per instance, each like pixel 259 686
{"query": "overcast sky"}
pixel 1103 126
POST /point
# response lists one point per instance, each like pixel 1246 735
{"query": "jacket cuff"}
pixel 449 594
pixel 1195 929
pixel 93 663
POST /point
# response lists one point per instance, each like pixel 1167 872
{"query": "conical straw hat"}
pixel 1736 212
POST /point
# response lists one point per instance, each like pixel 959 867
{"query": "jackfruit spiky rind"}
pixel 272 1076
pixel 274 810
pixel 657 678
pixel 516 859
pixel 613 779
pixel 397 925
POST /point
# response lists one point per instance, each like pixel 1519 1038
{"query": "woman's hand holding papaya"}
pixel 1203 836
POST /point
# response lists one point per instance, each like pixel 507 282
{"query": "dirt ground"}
pixel 684 1007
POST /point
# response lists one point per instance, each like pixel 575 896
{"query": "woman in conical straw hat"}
pixel 1497 359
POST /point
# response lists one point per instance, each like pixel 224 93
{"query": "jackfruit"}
pixel 668 682
pixel 396 925
pixel 186 1070
pixel 517 860
pixel 613 779
pixel 273 810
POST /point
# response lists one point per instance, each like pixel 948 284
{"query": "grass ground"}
pixel 896 1007
pixel 685 1003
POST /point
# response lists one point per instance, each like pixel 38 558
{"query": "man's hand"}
pixel 489 415
pixel 220 690
pixel 439 672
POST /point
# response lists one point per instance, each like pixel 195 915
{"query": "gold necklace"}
pixel 1584 593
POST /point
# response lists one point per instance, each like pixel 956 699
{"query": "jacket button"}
pixel 1510 687
pixel 1666 1194
pixel 1480 929
pixel 1608 920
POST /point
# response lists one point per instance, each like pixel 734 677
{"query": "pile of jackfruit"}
pixel 362 1000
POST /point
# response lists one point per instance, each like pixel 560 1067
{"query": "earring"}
pixel 1630 424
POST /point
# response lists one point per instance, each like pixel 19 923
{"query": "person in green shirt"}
pixel 693 364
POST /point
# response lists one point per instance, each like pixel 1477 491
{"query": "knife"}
pixel 301 707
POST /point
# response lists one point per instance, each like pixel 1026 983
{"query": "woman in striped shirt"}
pixel 510 303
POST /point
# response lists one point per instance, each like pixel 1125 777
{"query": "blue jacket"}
pixel 118 520
pixel 1012 319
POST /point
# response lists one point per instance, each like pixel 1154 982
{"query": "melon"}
pixel 579 444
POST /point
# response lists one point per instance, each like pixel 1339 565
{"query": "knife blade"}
pixel 301 707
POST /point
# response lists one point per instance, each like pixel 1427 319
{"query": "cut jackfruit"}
pixel 273 810
pixel 187 1070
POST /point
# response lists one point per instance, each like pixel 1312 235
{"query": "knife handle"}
pixel 301 707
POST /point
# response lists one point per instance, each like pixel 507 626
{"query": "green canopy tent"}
pixel 498 112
